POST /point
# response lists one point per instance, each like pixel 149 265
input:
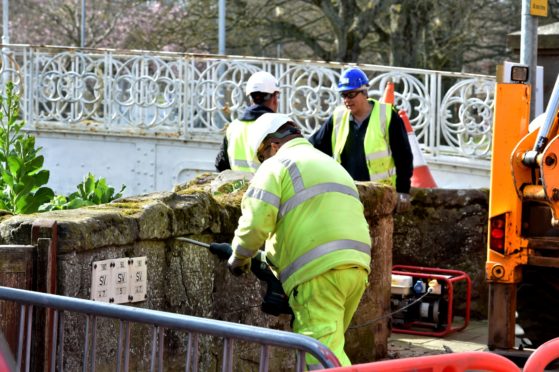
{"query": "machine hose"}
pixel 429 290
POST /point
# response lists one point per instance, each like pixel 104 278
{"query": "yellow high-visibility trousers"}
pixel 323 308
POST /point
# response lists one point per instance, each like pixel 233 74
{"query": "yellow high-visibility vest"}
pixel 241 156
pixel 377 148
pixel 307 209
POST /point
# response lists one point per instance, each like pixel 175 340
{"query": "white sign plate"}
pixel 119 280
pixel 100 279
pixel 138 279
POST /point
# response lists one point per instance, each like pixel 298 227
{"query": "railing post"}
pixel 28 103
pixel 107 82
pixel 434 130
pixel 227 363
pixel 44 234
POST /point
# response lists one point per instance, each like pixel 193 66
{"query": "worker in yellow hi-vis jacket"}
pixel 306 209
pixel 235 154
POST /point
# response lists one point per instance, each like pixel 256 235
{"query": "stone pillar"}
pixel 367 337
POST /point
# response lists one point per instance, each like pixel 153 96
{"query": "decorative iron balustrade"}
pixel 190 96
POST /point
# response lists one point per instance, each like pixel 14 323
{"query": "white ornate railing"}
pixel 190 96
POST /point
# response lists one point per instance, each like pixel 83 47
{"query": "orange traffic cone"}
pixel 388 96
pixel 421 174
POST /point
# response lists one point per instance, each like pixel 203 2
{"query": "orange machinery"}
pixel 522 265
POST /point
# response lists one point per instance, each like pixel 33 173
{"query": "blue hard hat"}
pixel 351 79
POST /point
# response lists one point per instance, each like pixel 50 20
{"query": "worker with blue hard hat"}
pixel 367 137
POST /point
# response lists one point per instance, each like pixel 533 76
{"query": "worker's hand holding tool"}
pixel 238 266
pixel 222 250
pixel 275 301
pixel 403 204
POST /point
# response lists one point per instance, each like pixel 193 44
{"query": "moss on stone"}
pixel 127 208
pixel 128 205
pixel 190 191
pixel 234 197
pixel 228 194
pixel 200 182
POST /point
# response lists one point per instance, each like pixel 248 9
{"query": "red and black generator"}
pixel 423 300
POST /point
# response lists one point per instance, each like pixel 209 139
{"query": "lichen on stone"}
pixel 200 182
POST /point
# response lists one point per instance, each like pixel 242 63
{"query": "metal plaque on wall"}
pixel 119 280
pixel 138 279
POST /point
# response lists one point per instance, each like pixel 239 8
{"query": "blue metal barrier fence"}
pixel 159 321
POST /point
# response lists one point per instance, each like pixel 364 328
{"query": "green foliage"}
pixel 20 163
pixel 22 177
pixel 90 192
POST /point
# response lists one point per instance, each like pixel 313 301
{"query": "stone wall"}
pixel 446 229
pixel 187 279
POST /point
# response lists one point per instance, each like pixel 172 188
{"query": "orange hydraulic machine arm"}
pixel 524 192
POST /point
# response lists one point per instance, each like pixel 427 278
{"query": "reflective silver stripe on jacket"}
pixel 245 164
pixel 313 191
pixel 303 194
pixel 383 126
pixel 383 175
pixel 382 121
pixel 378 155
pixel 382 154
pixel 294 174
pixel 337 121
pixel 321 250
pixel 243 252
pixel 263 195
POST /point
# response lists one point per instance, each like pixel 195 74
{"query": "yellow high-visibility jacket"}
pixel 241 156
pixel 306 208
pixel 377 148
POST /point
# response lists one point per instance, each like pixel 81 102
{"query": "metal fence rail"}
pixel 159 321
pixel 189 96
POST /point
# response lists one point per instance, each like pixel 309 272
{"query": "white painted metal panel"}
pixel 142 164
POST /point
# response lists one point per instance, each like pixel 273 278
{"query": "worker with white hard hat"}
pixel 235 154
pixel 305 209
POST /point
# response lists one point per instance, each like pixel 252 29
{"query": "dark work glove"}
pixel 221 250
pixel 238 266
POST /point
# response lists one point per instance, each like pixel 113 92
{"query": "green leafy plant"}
pixel 20 163
pixel 90 192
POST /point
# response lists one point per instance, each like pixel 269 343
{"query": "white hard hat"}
pixel 264 125
pixel 262 81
